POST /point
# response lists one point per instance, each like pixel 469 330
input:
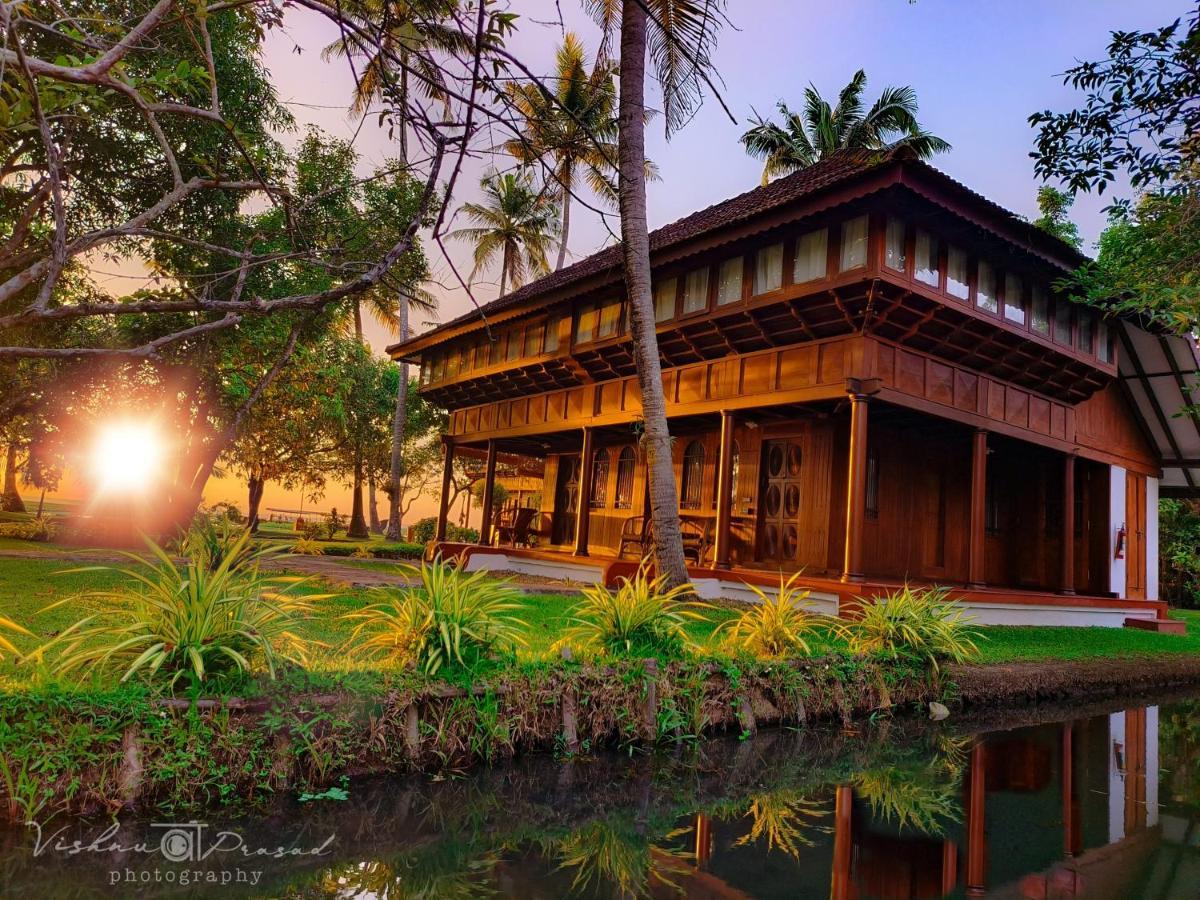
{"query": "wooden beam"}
pixel 1067 578
pixel 725 489
pixel 1127 343
pixel 583 517
pixel 489 487
pixel 856 489
pixel 447 480
pixel 977 538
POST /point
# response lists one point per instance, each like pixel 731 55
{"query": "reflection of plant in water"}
pixel 617 855
pixel 923 798
pixel 1179 734
pixel 445 873
pixel 782 818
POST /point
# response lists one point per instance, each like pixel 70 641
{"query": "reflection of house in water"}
pixel 1062 810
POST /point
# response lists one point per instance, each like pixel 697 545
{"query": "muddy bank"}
pixel 1025 683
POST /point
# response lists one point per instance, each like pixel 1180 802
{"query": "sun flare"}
pixel 126 457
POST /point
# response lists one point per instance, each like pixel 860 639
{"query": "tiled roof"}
pixel 835 169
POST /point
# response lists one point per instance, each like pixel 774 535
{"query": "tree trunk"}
pixel 358 329
pixel 41 503
pixel 256 485
pixel 358 522
pixel 11 500
pixel 399 425
pixel 373 505
pixel 635 246
pixel 503 271
pixel 565 186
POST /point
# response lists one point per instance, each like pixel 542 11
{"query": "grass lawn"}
pixel 1013 644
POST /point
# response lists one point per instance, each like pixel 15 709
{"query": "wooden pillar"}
pixel 489 486
pixel 447 480
pixel 1067 579
pixel 856 489
pixel 1068 788
pixel 584 507
pixel 976 837
pixel 703 840
pixel 977 536
pixel 725 489
pixel 843 845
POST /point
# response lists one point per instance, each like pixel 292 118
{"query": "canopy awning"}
pixel 1162 373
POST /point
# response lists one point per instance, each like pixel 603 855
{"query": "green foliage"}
pixel 1179 538
pixel 33 530
pixel 398 551
pixel 214 539
pixel 917 623
pixel 307 547
pixel 777 625
pixel 641 618
pixel 1053 206
pixel 454 620
pixel 425 529
pixel 192 622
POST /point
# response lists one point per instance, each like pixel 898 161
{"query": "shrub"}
pixel 918 623
pixel 337 549
pixel 425 529
pixel 308 547
pixel 398 551
pixel 1179 525
pixel 192 621
pixel 775 626
pixel 211 539
pixel 32 530
pixel 363 551
pixel 641 618
pixel 454 619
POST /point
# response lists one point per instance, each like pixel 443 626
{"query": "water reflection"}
pixel 1102 806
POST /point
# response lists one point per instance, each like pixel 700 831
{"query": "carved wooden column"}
pixel 1067 579
pixel 584 507
pixel 856 488
pixel 725 490
pixel 976 836
pixel 447 480
pixel 976 537
pixel 489 486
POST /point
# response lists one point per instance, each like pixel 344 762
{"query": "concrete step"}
pixel 1162 626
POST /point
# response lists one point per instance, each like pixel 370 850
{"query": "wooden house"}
pixel 869 377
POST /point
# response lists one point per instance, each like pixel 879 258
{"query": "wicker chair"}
pixel 636 534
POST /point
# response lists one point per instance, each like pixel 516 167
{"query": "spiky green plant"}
pixel 307 547
pixel 919 623
pixel 454 618
pixel 924 798
pixel 185 621
pixel 210 540
pixel 783 818
pixel 363 551
pixel 642 617
pixel 7 624
pixel 778 625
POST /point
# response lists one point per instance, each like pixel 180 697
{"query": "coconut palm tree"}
pixel 679 36
pixel 809 136
pixel 516 221
pixel 572 129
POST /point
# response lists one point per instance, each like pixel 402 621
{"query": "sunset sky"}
pixel 979 70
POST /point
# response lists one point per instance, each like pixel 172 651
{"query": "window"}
pixel 695 291
pixel 425 369
pixel 1062 323
pixel 1040 312
pixel 514 345
pixel 1014 299
pixel 854 243
pixel 664 299
pixel 894 245
pixel 926 265
pixel 1087 332
pixel 693 476
pixel 623 499
pixel 729 281
pixel 534 336
pixel 872 483
pixel 439 367
pixel 812 256
pixel 550 345
pixel 451 363
pixel 1104 348
pixel 768 269
pixel 957 273
pixel 585 325
pixel 608 318
pixel 599 478
pixel 985 288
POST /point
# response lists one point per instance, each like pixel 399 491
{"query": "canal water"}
pixel 1101 802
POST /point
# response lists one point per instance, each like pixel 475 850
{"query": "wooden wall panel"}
pixel 1105 421
pixel 799 368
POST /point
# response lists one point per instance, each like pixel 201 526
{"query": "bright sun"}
pixel 126 457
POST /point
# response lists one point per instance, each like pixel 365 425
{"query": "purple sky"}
pixel 978 75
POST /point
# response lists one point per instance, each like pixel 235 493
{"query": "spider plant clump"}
pixel 778 625
pixel 185 621
pixel 453 619
pixel 307 547
pixel 640 618
pixel 919 623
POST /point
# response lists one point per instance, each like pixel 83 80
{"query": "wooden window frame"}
pixel 691 480
pixel 626 469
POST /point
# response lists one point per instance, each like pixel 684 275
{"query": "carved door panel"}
pixel 780 501
pixel 566 500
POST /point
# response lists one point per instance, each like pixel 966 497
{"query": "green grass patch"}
pixel 1004 644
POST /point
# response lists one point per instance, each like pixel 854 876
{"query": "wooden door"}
pixel 566 500
pixel 1135 536
pixel 780 490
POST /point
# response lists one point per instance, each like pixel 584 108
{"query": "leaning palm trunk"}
pixel 635 246
pixel 399 421
pixel 564 184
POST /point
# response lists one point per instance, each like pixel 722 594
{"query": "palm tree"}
pixel 679 36
pixel 809 136
pixel 573 128
pixel 516 221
